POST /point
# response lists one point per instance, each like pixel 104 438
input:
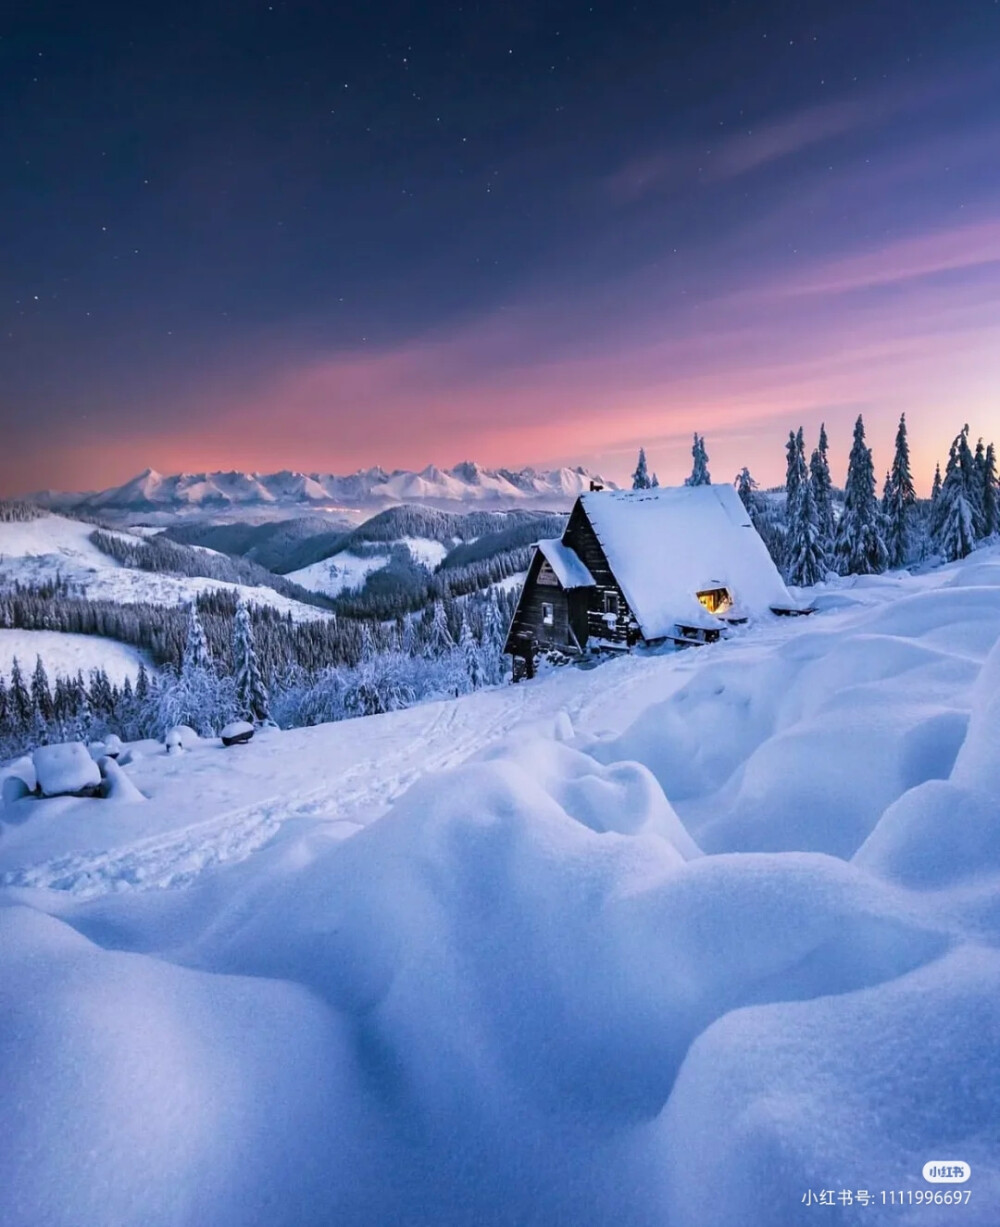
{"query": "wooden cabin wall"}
pixel 528 617
pixel 581 537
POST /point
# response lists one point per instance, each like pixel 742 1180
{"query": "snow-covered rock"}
pixel 116 784
pixel 14 789
pixel 112 745
pixel 180 737
pixel 236 733
pixel 66 769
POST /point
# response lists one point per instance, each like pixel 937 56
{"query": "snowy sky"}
pixel 325 236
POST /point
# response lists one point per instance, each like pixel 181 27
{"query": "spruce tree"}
pixel 898 501
pixel 439 639
pixel 20 701
pixel 700 475
pixel 936 484
pixel 654 482
pixel 806 552
pixel 251 693
pixel 859 548
pixel 101 695
pixel 979 471
pixel 41 694
pixel 991 503
pixel 819 475
pixel 953 529
pixel 796 478
pixel 970 483
pixel 793 473
pixel 196 653
pixel 640 478
pixel 745 487
pixel 471 656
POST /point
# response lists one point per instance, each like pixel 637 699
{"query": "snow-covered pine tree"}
pixel 936 484
pixel 859 547
pixel 745 487
pixel 196 651
pixel 898 501
pixel 970 479
pixel 439 639
pixel 819 475
pixel 796 478
pixel 654 482
pixel 20 701
pixel 979 469
pixel 953 522
pixel 793 471
pixel 251 693
pixel 494 634
pixel 472 656
pixel 700 475
pixel 142 684
pixel 991 502
pixel 41 693
pixel 806 552
pixel 100 694
pixel 640 478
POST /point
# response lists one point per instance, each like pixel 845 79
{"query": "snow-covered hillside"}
pixel 65 655
pixel 215 492
pixel 346 571
pixel 682 940
pixel 52 546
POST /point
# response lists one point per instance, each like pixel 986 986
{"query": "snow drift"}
pixel 678 971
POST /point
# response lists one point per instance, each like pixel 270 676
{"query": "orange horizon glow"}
pixel 909 326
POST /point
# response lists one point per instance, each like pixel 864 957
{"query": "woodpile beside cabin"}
pixel 646 566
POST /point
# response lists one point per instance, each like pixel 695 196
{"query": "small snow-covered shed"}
pixel 644 566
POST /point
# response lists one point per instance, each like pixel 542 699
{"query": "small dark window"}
pixel 611 602
pixel 548 614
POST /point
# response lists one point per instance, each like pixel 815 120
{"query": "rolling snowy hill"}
pixel 54 546
pixel 673 941
pixel 65 655
pixel 216 493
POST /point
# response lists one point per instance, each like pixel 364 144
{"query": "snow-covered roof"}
pixel 566 562
pixel 667 544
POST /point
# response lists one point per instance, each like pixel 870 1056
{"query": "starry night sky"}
pixel 321 236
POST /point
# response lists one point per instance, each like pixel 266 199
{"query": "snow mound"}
pixel 180 737
pixel 807 747
pixel 570 952
pixel 853 1091
pixel 65 769
pixel 949 829
pixel 116 785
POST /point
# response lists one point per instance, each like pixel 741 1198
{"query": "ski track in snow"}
pixel 350 800
pixel 444 734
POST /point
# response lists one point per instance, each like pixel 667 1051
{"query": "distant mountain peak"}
pixel 466 482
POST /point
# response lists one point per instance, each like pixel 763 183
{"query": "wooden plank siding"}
pixel 528 616
pixel 578 615
pixel 580 536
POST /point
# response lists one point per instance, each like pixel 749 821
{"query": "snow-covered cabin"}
pixel 645 566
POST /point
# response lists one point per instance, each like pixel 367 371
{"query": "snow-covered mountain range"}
pixel 465 483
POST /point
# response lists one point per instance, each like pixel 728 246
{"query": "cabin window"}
pixel 716 600
pixel 548 614
pixel 611 602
